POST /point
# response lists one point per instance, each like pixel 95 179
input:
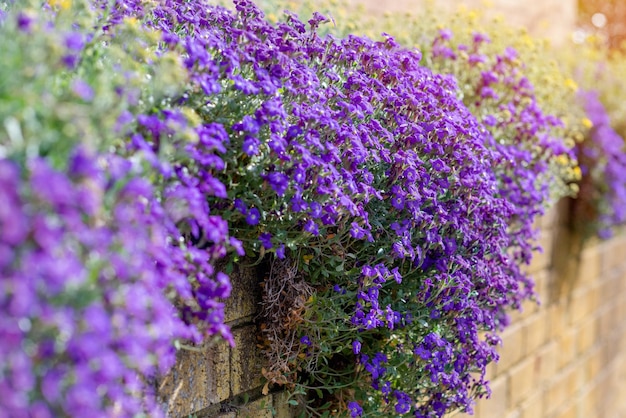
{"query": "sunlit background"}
pixel 605 19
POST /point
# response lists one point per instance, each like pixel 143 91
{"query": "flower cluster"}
pixel 602 199
pixel 359 166
pixel 598 207
pixel 76 283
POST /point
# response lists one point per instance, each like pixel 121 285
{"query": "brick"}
pixel 530 307
pixel 198 379
pixel 533 406
pixel 590 265
pixel 559 319
pixel 496 405
pixel 246 361
pixel 552 217
pixel 260 408
pixel 588 404
pixel 514 414
pixel 512 348
pixel 580 306
pixel 607 290
pixel 555 396
pixel 245 294
pixel 586 336
pixel 541 259
pixel 574 380
pixel 521 381
pixel 614 255
pixel 546 362
pixel 593 364
pixel 567 412
pixel 605 323
pixel 536 330
pixel 566 348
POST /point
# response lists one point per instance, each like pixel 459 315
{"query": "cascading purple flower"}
pixel 601 203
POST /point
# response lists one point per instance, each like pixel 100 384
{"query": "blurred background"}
pixel 604 18
pixel 558 20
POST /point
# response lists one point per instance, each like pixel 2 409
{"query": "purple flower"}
pixel 237 245
pixel 24 21
pixel 240 206
pixel 356 346
pixel 279 182
pixel 266 240
pixel 251 145
pixel 253 217
pixel 355 409
pixel 75 41
pixel 249 125
pixel 404 402
pixel 339 289
pixel 311 227
pixel 315 209
pixel 479 37
pixel 306 340
pixel 397 202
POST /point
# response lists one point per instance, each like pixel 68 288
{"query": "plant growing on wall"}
pixel 391 197
pixel 601 204
pixel 372 186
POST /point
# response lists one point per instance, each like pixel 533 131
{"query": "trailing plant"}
pixel 601 204
pixel 598 209
pixel 372 186
pixel 511 83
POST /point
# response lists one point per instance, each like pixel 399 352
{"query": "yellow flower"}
pixel 62 4
pixel 587 123
pixel 562 160
pixel 571 84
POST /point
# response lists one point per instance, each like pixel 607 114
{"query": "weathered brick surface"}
pixel 246 361
pixel 198 380
pixel 245 295
pixel 567 358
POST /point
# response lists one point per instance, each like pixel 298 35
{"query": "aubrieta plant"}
pixel 601 204
pixel 598 208
pixel 372 187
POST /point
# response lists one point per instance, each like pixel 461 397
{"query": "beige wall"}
pixel 551 19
